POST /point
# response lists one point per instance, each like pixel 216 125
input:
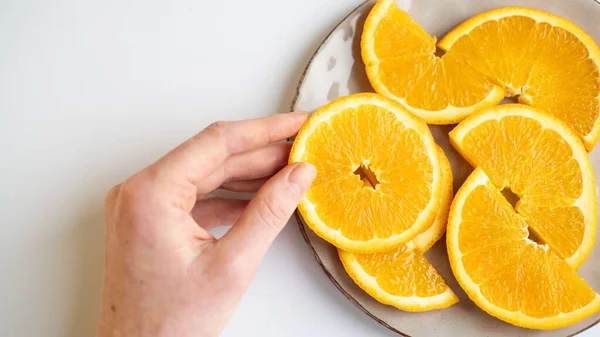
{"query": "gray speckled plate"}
pixel 336 69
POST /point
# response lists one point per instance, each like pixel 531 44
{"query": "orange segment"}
pixel 430 91
pixel 508 65
pixel 503 271
pixel 395 35
pixel 555 226
pixel 379 178
pixel 406 39
pixel 483 228
pixel 563 107
pixel 563 71
pixel 540 160
pixel 466 86
pixel 401 75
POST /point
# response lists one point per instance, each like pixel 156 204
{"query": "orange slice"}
pixel 541 161
pixel 504 272
pixel 431 235
pixel 403 277
pixel 378 183
pixel 401 64
pixel 544 59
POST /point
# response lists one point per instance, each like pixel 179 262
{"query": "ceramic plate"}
pixel 335 70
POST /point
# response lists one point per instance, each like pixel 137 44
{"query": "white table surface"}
pixel 92 91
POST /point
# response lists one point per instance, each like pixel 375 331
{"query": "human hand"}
pixel 164 273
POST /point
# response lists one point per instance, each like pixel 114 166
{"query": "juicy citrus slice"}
pixel 431 235
pixel 401 64
pixel 541 160
pixel 379 179
pixel 546 60
pixel 504 272
pixel 403 277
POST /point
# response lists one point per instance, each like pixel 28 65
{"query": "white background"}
pixel 92 91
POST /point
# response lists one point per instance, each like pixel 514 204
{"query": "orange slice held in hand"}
pixel 378 181
pixel 545 60
pixel 518 264
pixel 403 277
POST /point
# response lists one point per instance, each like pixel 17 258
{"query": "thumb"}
pixel 268 212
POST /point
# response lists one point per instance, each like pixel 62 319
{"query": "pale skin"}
pixel 164 273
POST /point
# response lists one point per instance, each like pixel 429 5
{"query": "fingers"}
pixel 245 185
pixel 198 157
pixel 215 212
pixel 267 213
pixel 259 163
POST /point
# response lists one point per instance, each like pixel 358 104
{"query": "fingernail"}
pixel 302 176
pixel 301 114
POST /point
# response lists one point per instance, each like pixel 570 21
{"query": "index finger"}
pixel 205 152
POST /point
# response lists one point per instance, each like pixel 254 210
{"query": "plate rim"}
pixel 302 224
